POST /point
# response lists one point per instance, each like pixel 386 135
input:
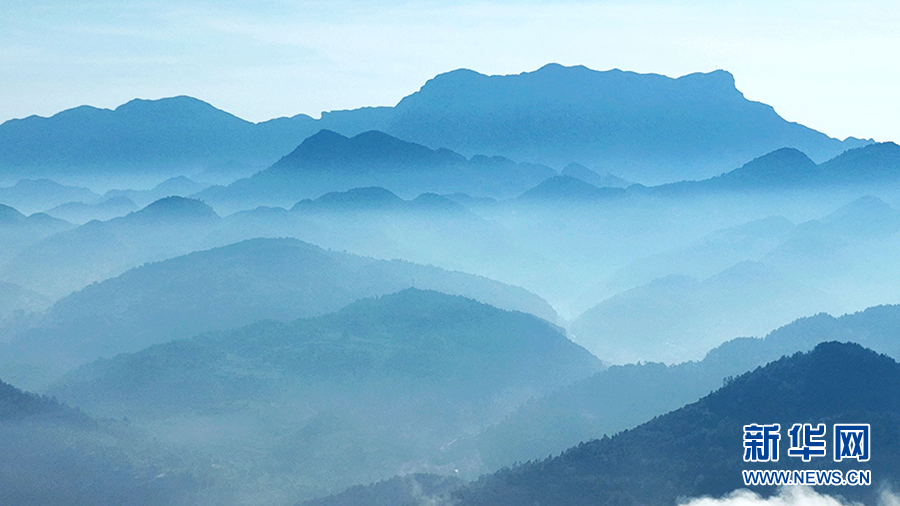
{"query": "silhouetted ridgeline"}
pixel 20 231
pixel 172 133
pixel 647 127
pixel 63 262
pixel 790 169
pixel 382 386
pixel 621 397
pixel 698 450
pixel 34 195
pixel 328 161
pixel 686 128
pixel 222 288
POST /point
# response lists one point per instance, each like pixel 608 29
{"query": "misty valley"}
pixel 562 287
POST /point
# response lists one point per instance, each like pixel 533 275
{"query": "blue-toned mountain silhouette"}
pixel 225 287
pixel 172 133
pixel 35 195
pixel 569 189
pixel 697 450
pixel 787 169
pixel 587 175
pixel 344 398
pixel 60 263
pixel 621 397
pixel 20 231
pixel 79 212
pixel 179 186
pixel 328 161
pixel 644 127
pixel 414 334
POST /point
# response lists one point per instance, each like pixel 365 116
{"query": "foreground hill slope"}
pixel 56 455
pixel 621 397
pixel 697 450
pixel 382 386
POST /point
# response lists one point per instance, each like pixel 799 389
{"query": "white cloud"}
pixel 787 496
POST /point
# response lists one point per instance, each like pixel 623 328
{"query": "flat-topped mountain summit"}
pixel 645 127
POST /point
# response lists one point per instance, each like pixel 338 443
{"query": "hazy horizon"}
pixel 418 304
pixel 821 64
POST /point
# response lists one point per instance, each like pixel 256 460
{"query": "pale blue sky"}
pixel 831 65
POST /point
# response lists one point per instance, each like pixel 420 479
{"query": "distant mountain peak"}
pixel 176 208
pixel 324 137
pixel 865 204
pixel 782 167
pixel 585 174
pixel 372 148
pixel 718 78
pixel 864 164
pixel 433 201
pixel 170 105
pixel 867 215
pixel 569 188
pixel 360 196
pixel 10 214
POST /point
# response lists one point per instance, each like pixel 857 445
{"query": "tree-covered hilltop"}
pixel 226 287
pixel 387 384
pixel 698 449
pixel 623 396
pixel 423 339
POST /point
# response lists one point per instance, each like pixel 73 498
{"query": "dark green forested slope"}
pixel 621 397
pixel 698 450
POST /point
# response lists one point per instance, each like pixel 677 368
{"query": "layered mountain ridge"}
pixel 644 127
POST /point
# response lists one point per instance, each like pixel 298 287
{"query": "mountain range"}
pixel 788 169
pixel 61 263
pixel 328 161
pixel 36 195
pixel 697 450
pixel 778 271
pixel 622 396
pixel 644 127
pixel 358 395
pixel 222 288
